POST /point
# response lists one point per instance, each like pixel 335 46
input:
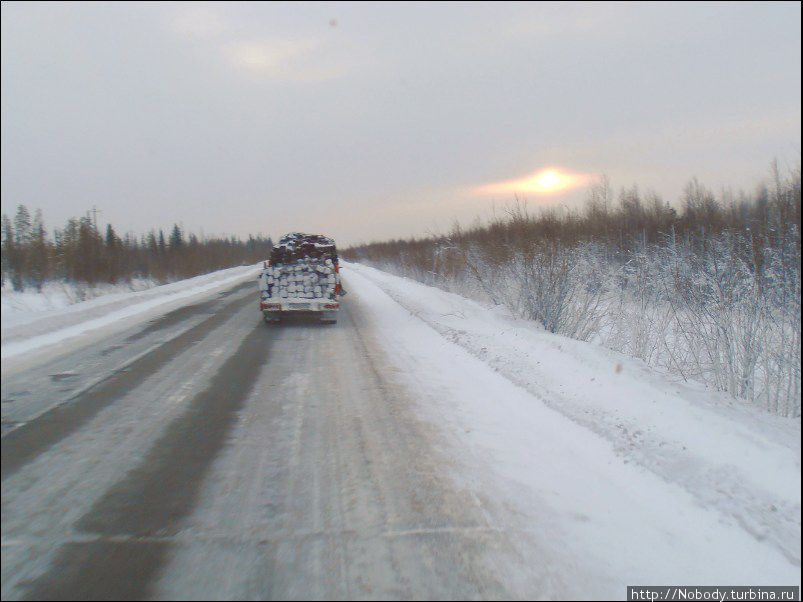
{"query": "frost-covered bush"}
pixel 561 288
pixel 712 317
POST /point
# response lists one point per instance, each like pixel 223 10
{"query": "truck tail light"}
pixel 331 305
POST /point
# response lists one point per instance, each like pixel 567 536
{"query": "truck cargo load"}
pixel 302 276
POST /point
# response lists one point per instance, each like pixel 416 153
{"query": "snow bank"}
pixel 29 305
pixel 33 321
pixel 596 460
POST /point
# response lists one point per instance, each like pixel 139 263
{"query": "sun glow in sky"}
pixel 551 180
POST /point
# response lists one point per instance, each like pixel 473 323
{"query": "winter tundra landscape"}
pixel 401 301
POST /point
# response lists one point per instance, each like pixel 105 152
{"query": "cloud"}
pixel 268 55
pixel 298 59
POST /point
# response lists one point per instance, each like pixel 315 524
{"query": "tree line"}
pixel 619 224
pixel 83 253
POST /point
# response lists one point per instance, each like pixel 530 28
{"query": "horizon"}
pixel 515 200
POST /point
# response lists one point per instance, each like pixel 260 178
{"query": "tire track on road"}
pixel 153 498
pixel 32 438
pixel 183 313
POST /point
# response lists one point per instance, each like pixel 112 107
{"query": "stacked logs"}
pixel 302 279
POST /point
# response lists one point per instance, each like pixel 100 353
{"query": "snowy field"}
pixel 644 479
pixel 32 321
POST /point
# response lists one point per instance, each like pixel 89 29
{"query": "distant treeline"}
pixel 619 224
pixel 80 252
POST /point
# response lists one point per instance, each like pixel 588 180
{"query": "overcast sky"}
pixel 366 121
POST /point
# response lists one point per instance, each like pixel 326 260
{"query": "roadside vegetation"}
pixel 707 289
pixel 81 253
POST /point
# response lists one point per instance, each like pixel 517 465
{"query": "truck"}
pixel 302 277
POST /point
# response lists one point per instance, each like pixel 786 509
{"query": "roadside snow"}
pixel 609 465
pixel 33 322
pixel 20 307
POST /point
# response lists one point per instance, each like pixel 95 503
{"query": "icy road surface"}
pixel 206 455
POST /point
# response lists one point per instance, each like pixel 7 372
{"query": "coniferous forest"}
pixel 82 252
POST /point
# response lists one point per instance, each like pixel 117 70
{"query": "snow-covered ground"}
pixel 599 471
pixel 33 321
pixel 55 295
pixel 597 460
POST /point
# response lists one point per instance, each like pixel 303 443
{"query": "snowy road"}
pixel 231 460
pixel 207 455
